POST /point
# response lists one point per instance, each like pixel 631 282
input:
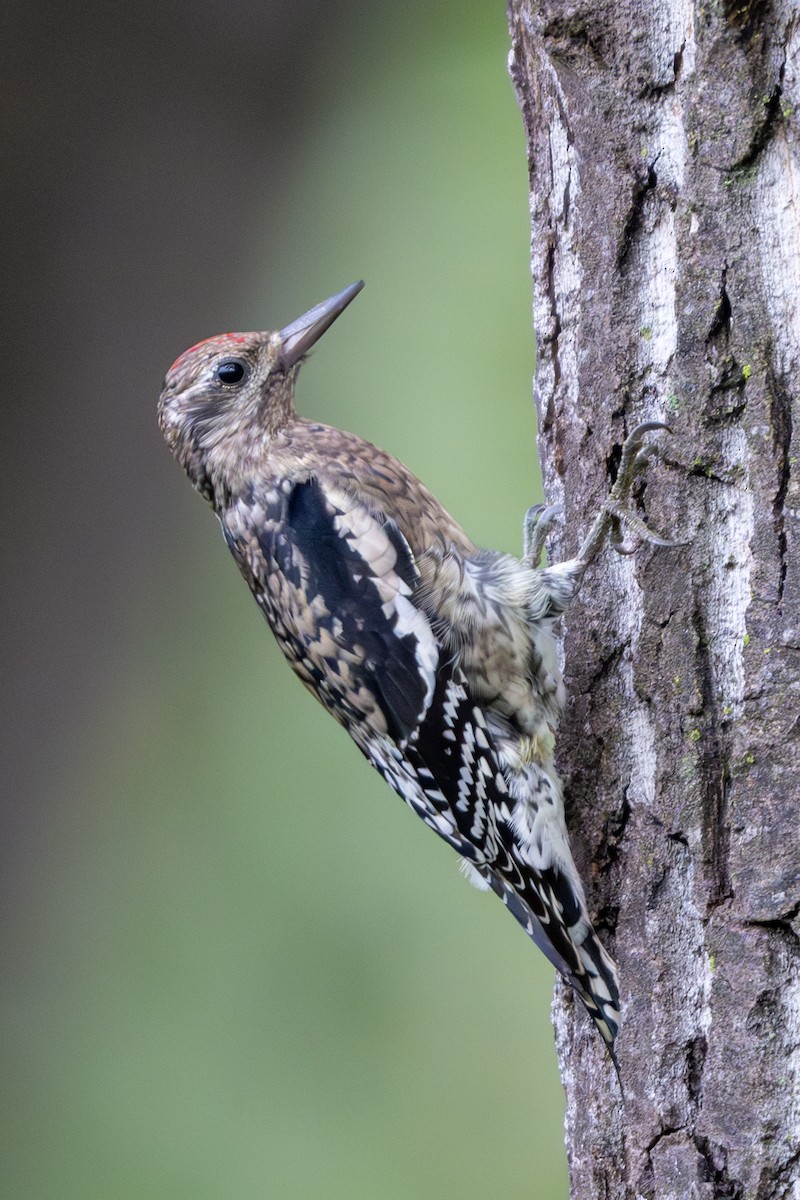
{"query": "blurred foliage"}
pixel 243 968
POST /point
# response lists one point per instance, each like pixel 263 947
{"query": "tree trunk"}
pixel 665 198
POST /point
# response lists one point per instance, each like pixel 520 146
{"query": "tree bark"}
pixel 664 157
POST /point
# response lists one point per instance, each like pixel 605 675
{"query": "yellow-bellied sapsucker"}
pixel 435 655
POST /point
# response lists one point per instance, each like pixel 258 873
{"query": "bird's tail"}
pixel 536 879
pixel 576 952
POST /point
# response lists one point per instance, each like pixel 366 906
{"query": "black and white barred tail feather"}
pixel 585 965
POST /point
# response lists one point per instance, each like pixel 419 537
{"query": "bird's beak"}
pixel 298 338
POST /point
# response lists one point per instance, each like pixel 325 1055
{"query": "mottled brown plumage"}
pixel 435 655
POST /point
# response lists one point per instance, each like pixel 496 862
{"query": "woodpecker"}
pixel 435 655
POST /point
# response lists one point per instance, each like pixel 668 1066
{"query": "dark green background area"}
pixel 236 966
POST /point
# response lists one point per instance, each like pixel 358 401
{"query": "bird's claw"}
pixel 614 514
pixel 539 520
pixel 621 517
pixel 634 456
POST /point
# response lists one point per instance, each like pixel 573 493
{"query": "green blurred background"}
pixel 236 966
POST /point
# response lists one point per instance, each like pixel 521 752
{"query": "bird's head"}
pixel 225 398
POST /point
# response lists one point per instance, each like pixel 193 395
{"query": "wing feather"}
pixel 338 584
pixel 344 603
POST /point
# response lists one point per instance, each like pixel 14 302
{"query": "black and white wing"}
pixel 338 584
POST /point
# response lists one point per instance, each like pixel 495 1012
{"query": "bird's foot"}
pixel 615 516
pixel 539 520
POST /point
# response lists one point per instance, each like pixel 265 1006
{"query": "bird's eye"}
pixel 231 370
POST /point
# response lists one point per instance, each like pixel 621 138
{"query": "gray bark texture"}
pixel 664 154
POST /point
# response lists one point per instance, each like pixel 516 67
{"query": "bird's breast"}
pixel 481 609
